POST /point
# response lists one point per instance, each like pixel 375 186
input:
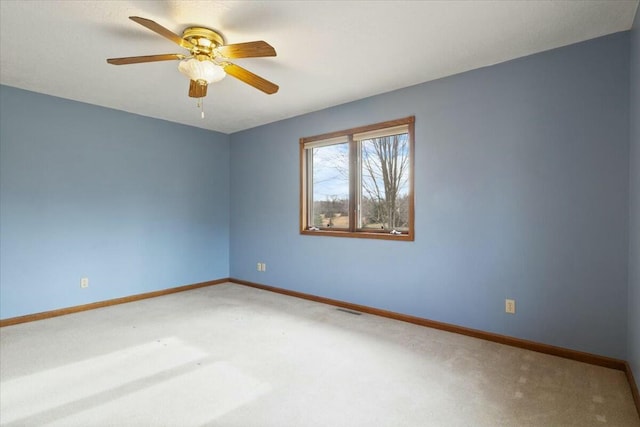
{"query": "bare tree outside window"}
pixel 358 183
pixel 385 189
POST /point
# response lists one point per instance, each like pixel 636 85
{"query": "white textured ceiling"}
pixel 329 52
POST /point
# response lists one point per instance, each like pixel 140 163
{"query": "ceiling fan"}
pixel 207 61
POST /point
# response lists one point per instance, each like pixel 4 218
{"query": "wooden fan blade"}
pixel 196 90
pixel 159 29
pixel 147 58
pixel 251 79
pixel 247 50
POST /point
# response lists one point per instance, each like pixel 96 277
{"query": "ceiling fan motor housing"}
pixel 204 41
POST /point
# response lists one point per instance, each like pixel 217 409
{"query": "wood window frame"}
pixel 353 231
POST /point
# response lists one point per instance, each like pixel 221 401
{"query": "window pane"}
pixel 330 194
pixel 384 186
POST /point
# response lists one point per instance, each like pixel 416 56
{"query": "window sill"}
pixel 360 234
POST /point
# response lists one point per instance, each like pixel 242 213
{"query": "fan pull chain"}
pixel 201 107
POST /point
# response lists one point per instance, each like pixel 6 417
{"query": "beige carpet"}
pixel 229 355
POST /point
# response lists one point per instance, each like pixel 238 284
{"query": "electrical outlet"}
pixel 264 267
pixel 84 282
pixel 510 306
pixel 259 266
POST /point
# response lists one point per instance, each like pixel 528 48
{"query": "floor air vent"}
pixel 349 311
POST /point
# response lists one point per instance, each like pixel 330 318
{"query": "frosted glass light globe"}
pixel 207 71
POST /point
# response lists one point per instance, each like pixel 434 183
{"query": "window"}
pixel 359 182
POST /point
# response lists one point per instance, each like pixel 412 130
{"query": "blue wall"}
pixel 522 191
pixel 522 183
pixel 133 203
pixel 634 204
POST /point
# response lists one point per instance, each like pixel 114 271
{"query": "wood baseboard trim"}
pixel 75 309
pixel 579 356
pixel 633 385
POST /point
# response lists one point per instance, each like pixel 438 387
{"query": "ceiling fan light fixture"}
pixel 207 51
pixel 201 71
